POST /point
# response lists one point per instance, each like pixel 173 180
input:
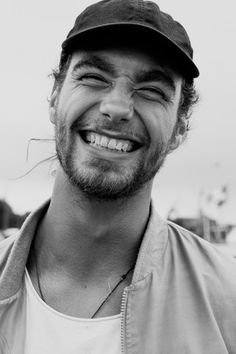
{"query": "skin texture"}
pixel 100 204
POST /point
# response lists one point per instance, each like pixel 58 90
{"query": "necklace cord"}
pixel 122 278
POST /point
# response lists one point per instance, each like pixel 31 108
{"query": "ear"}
pixel 180 134
pixel 177 140
pixel 52 106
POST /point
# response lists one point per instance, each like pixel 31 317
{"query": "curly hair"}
pixel 189 97
pixel 59 74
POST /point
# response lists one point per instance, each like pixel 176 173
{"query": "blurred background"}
pixel 196 187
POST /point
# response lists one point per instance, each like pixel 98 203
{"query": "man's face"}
pixel 114 120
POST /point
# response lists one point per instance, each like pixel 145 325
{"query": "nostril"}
pixel 117 110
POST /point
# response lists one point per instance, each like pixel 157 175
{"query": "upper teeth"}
pixel 104 141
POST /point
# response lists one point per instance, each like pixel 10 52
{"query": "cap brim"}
pixel 148 36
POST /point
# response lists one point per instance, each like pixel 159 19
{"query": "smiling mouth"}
pixel 100 141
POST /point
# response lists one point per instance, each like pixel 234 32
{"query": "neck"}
pixel 92 236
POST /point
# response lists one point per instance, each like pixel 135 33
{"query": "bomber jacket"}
pixel 182 298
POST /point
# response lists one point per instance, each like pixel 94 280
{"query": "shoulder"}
pixel 202 257
pixel 185 246
pixel 178 235
pixel 209 271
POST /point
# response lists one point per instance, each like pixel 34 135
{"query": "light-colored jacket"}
pixel 182 298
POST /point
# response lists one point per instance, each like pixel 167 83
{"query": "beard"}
pixel 101 179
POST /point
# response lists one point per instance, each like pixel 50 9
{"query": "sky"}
pixel 31 36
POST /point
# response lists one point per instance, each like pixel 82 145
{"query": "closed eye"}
pixel 92 79
pixel 152 93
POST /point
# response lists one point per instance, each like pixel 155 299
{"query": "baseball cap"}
pixel 143 21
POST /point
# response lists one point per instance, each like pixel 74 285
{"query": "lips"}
pixel 109 143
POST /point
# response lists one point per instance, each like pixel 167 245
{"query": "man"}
pixel 96 270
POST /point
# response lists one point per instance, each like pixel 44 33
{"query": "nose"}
pixel 117 104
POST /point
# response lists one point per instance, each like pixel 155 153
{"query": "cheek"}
pixel 160 127
pixel 72 104
pixel 159 120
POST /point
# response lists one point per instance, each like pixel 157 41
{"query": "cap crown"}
pixel 139 13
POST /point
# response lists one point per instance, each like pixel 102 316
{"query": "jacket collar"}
pixel 14 251
pixel 152 247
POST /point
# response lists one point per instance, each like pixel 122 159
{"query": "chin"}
pixel 104 186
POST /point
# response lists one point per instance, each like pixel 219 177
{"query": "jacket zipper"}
pixel 123 314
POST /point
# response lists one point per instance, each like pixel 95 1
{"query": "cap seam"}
pixel 140 9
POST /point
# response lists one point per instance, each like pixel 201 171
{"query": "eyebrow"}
pixel 95 61
pixel 156 75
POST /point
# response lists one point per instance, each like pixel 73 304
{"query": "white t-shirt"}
pixel 49 331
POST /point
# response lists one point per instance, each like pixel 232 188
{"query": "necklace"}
pixel 121 279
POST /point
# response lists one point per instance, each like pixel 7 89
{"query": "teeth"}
pixel 93 138
pixel 112 144
pixel 125 147
pixel 119 146
pixel 89 136
pixel 103 141
pixel 97 139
